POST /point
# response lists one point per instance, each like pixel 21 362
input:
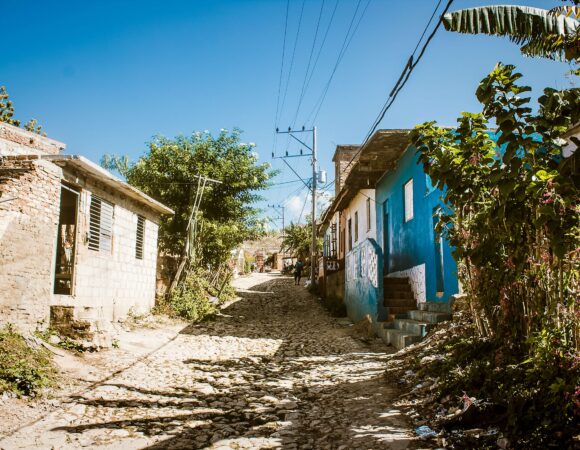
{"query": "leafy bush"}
pixel 514 217
pixel 539 394
pixel 190 300
pixel 24 370
pixel 64 342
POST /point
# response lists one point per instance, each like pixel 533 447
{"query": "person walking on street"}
pixel 298 271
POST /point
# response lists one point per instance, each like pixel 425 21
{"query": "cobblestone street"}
pixel 273 371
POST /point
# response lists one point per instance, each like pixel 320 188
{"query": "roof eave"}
pixel 107 178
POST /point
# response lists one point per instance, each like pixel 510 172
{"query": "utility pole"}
pixel 191 230
pixel 291 133
pixel 280 209
pixel 313 261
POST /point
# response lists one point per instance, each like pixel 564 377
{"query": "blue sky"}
pixel 106 76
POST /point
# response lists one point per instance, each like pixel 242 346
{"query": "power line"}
pixel 293 55
pixel 404 77
pixel 282 64
pixel 411 64
pixel 322 44
pixel 427 26
pixel 303 91
pixel 346 43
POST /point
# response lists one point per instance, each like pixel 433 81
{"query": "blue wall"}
pixel 413 243
pixel 364 289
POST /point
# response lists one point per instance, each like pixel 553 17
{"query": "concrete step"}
pixel 398 292
pixel 393 317
pixel 400 309
pixel 412 326
pixel 398 338
pixel 428 316
pixel 440 307
pixel 400 302
pixel 390 281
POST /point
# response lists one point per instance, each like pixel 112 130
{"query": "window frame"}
pixel 101 213
pixel 349 225
pixel 356 226
pixel 140 240
pixel 369 222
pixel 408 204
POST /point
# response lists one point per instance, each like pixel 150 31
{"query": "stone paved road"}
pixel 274 372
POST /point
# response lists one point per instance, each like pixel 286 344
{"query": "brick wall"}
pixel 16 141
pixel 342 164
pixel 109 284
pixel 28 227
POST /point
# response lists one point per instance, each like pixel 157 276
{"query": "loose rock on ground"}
pixel 273 371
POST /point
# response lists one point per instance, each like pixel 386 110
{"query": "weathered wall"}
pixel 334 285
pixel 16 141
pixel 109 284
pixel 28 230
pixel 358 204
pixel 342 158
pixel 364 282
pixel 412 243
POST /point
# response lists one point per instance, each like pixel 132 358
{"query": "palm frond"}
pixel 567 11
pixel 526 26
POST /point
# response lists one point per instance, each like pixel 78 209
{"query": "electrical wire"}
pixel 282 64
pixel 293 55
pixel 302 91
pixel 346 43
pixel 322 45
pixel 404 77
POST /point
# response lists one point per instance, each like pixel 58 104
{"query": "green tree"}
pixel 6 108
pixel 298 239
pixel 553 34
pixel 169 173
pixel 515 220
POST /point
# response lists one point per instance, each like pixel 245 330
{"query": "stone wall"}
pixel 110 284
pixel 29 210
pixel 16 141
pixel 334 285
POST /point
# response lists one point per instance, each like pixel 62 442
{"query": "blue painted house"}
pixel 397 272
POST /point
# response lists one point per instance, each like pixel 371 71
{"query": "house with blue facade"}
pixel 398 273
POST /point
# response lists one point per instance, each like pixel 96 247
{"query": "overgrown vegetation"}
pixel 514 221
pixel 52 337
pixel 196 298
pixel 211 218
pixel 24 369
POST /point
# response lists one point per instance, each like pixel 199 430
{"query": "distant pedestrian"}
pixel 298 268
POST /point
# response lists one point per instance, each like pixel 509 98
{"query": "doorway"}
pixel 386 237
pixel 66 241
pixel 438 243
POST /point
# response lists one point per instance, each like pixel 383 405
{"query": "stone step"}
pixel 398 338
pixel 412 326
pixel 429 316
pixel 400 302
pixel 393 317
pixel 397 310
pixel 398 292
pixel 389 281
pixel 440 307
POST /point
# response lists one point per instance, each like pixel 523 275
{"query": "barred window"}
pixel 140 237
pixel 100 225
